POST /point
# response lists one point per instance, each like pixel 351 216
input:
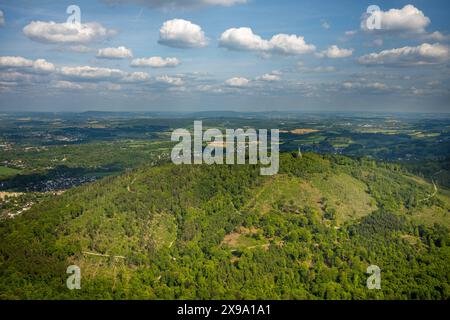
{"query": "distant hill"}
pixel 210 232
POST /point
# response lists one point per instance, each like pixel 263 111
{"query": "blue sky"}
pixel 242 55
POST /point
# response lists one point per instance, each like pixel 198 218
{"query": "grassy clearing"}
pixel 6 172
pixel 244 239
pixel 431 215
pixel 347 195
pixel 435 214
pixel 286 189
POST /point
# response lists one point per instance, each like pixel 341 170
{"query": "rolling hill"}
pixel 225 232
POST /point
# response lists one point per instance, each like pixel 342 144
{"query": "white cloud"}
pixel 15 62
pixel 270 77
pixel 181 33
pixel 115 53
pixel 436 36
pixel 61 84
pixel 180 3
pixel 2 19
pixel 350 33
pixel 51 32
pixel 408 19
pixel 417 92
pixel 111 77
pixel 238 82
pixel 173 81
pixel 39 65
pixel 290 44
pixel 155 62
pixel 87 73
pixel 423 54
pixel 334 52
pixel 209 88
pixel 42 66
pixel 243 39
pixel 136 77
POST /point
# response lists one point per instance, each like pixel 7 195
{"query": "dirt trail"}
pixel 102 255
pixel 434 186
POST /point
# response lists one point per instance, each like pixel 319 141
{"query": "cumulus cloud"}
pixel 39 65
pixel 179 3
pixel 270 77
pixel 238 82
pixel 52 32
pixel 87 73
pixel 114 53
pixel 436 36
pixel 2 19
pixel 16 70
pixel 290 44
pixel 172 81
pixel 408 19
pixel 43 66
pixel 15 62
pixel 155 62
pixel 136 77
pixel 243 39
pixel 62 84
pixel 423 54
pixel 334 52
pixel 209 88
pixel 181 33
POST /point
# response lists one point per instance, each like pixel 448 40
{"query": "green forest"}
pixel 225 232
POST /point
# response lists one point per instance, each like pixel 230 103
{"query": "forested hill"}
pixel 209 232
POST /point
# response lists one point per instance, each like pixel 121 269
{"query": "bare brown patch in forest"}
pixel 239 237
pixel 231 239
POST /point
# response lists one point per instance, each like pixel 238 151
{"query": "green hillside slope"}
pixel 202 232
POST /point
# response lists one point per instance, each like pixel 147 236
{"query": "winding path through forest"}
pixel 434 186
